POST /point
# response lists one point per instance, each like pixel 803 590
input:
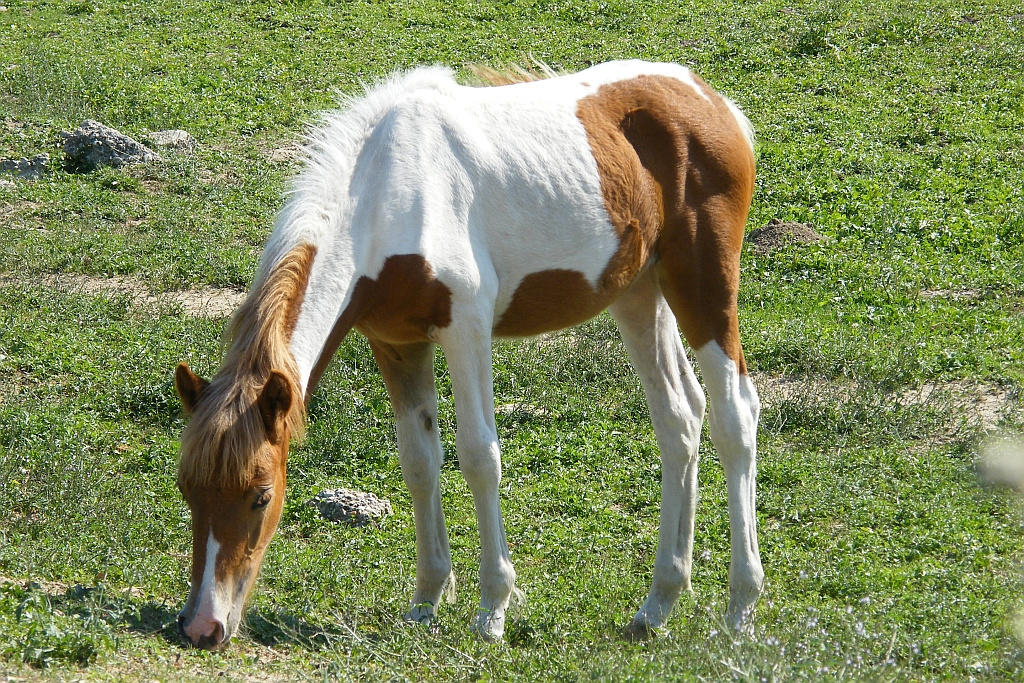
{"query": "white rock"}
pixel 92 145
pixel 345 505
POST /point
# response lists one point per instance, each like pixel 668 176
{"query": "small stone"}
pixel 27 168
pixel 176 140
pixel 353 507
pixel 527 410
pixel 93 145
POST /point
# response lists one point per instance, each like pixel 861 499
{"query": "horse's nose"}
pixel 206 634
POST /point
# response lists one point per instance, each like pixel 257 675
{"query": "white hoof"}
pixel 423 613
pixel 742 599
pixel 488 626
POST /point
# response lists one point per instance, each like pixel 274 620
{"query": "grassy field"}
pixel 885 353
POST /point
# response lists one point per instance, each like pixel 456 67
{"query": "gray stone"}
pixel 26 168
pixel 176 140
pixel 92 145
pixel 354 507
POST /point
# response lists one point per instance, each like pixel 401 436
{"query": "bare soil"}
pixel 950 294
pixel 977 404
pixel 206 302
pixel 290 153
pixel 778 234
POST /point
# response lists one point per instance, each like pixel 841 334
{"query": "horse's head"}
pixel 232 474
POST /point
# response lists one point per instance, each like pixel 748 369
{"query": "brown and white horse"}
pixel 435 213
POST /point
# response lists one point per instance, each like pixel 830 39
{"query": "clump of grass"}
pixel 36 632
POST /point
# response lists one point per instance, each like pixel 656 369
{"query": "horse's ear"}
pixel 274 403
pixel 190 387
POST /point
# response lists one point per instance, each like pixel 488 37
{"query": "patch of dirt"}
pixel 778 234
pixel 59 588
pixel 14 383
pixel 774 388
pixel 571 335
pixel 20 207
pixel 980 404
pixel 205 302
pixel 290 153
pixel 950 294
pixel 521 410
pixel 974 403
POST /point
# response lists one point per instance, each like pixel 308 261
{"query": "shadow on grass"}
pixel 276 628
pixel 104 611
pixel 54 623
pixel 118 609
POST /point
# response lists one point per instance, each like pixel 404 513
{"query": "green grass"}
pixel 897 129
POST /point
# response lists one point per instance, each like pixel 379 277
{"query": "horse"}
pixel 431 213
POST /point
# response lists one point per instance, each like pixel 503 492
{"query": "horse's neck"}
pixel 316 335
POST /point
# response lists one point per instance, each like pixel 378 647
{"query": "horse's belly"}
pixel 568 283
pixel 550 300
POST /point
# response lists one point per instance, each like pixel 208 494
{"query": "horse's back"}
pixel 546 198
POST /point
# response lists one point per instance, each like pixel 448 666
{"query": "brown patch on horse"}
pixel 399 306
pixel 677 177
pixel 226 441
pixel 549 300
pixel 555 299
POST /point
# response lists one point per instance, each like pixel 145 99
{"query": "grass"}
pixel 897 129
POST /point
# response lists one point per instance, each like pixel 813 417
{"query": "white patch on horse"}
pixel 488 184
pixel 212 598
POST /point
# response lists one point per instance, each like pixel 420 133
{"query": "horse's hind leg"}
pixel 467 348
pixel 408 372
pixel 676 402
pixel 699 276
pixel 733 415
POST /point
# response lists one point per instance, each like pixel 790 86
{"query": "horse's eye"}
pixel 262 499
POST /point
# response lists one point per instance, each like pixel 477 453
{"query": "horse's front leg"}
pixel 408 372
pixel 467 348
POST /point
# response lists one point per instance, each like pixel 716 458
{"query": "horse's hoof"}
pixel 420 614
pixel 488 627
pixel 639 631
pixel 740 620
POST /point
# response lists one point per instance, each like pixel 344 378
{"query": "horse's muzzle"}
pixel 209 635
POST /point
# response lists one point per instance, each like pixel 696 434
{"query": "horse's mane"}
pixel 512 73
pixel 224 441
